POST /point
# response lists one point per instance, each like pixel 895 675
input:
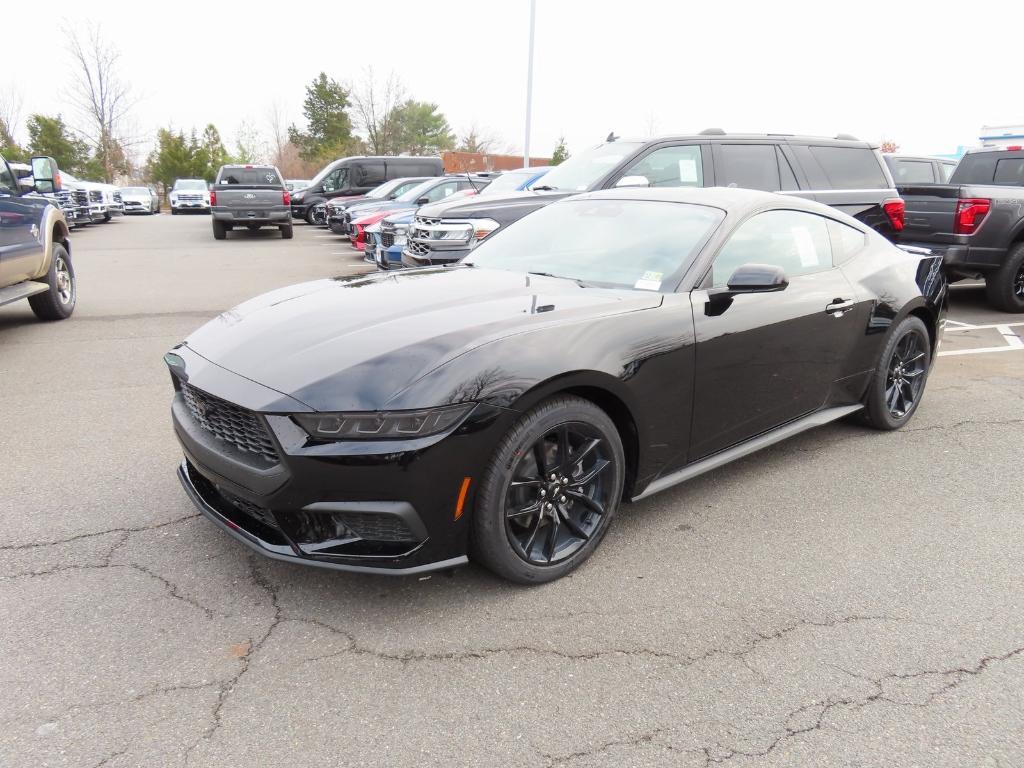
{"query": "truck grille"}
pixel 191 198
pixel 230 423
pixel 81 197
pixel 417 249
pixel 118 198
pixel 387 239
pixel 422 221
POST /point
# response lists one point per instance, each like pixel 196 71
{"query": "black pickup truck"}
pixel 976 222
pixel 842 172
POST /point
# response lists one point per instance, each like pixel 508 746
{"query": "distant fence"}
pixel 462 162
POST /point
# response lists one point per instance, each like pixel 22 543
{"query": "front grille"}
pixel 230 423
pixel 387 239
pixel 422 221
pixel 81 196
pixel 190 198
pixel 265 516
pixel 118 198
pixel 417 249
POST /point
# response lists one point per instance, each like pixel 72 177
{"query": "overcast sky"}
pixel 921 74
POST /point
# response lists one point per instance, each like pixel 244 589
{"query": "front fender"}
pixel 53 228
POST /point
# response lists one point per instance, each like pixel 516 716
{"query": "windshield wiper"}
pixel 543 188
pixel 576 280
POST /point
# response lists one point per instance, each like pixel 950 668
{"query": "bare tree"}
pixel 374 106
pixel 11 102
pixel 477 139
pixel 277 122
pixel 103 99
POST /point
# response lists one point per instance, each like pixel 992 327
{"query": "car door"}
pixel 766 358
pixel 19 231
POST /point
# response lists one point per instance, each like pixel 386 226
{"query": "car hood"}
pixel 357 342
pixel 366 208
pixel 135 196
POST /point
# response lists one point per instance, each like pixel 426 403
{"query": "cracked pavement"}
pixel 846 598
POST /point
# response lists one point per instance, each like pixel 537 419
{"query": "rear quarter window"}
pixel 847 242
pixel 850 167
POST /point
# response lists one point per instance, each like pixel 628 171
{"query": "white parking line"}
pixel 1013 342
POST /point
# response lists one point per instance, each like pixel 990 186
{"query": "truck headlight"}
pixel 477 229
pixel 382 425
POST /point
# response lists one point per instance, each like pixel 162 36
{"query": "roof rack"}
pixel 712 132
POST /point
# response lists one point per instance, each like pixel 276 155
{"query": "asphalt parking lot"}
pixel 845 598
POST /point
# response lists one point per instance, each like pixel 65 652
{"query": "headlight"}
pixel 382 425
pixel 474 230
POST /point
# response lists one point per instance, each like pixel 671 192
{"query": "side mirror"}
pixel 757 278
pixel 633 181
pixel 45 175
pixel 423 201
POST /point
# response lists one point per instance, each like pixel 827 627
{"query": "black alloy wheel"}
pixel 1005 287
pixel 550 491
pixel 558 495
pixel 897 386
pixel 1018 284
pixel 905 380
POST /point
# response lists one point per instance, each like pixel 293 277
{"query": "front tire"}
pixel 220 232
pixel 550 492
pixel 59 302
pixel 1004 288
pixel 174 211
pixel 897 385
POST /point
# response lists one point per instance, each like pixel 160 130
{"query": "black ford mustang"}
pixel 604 348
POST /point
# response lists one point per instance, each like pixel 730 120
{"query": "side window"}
pixel 332 181
pixel 7 178
pixel 371 174
pixel 670 167
pixel 846 242
pixel 793 240
pixel 753 166
pixel 912 171
pixel 945 171
pixel 1010 171
pixel 850 167
pixel 441 191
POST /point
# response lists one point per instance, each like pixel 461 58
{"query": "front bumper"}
pixel 190 205
pixel 366 506
pixel 418 258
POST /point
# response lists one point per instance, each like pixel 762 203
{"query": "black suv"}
pixel 842 172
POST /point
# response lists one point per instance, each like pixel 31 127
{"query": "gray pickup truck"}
pixel 976 222
pixel 35 253
pixel 250 196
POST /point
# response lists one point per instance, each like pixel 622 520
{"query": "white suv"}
pixel 190 195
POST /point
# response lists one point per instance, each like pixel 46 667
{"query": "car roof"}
pixel 730 199
pixel 717 135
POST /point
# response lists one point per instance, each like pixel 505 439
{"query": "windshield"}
pixel 385 189
pixel 134 191
pixel 294 184
pixel 580 172
pixel 190 184
pixel 250 177
pixel 510 181
pixel 637 244
pixel 414 194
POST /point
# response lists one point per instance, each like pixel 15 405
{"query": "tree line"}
pixel 367 116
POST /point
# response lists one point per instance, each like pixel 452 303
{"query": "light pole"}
pixel 529 86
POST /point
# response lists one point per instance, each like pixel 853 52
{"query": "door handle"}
pixel 839 306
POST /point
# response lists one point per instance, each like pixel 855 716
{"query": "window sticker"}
pixel 651 281
pixel 805 247
pixel 688 170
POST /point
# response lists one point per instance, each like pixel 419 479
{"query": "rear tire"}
pixel 287 232
pixel 219 230
pixel 1004 288
pixel 59 302
pixel 106 217
pixel 309 215
pixel 898 383
pixel 539 529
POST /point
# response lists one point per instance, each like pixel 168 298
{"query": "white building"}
pixel 1001 135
